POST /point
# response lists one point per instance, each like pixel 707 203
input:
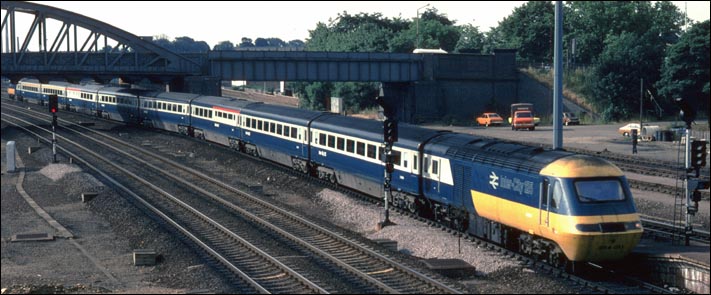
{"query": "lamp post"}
pixel 418 25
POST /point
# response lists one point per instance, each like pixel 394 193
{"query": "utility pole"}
pixel 558 78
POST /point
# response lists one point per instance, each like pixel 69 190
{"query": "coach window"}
pixel 249 122
pixel 279 128
pixel 321 139
pixel 435 166
pixel 331 141
pixel 259 125
pixel 350 144
pixel 397 157
pixel 340 143
pixel 272 127
pixel 286 131
pixel 414 162
pixel 295 133
pixel 371 151
pixel 360 148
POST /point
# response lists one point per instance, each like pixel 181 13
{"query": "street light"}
pixel 418 24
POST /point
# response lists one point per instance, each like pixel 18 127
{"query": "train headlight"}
pixel 633 225
pixel 586 228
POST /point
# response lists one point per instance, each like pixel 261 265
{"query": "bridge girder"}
pixel 66 54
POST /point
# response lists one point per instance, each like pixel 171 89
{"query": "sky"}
pixel 214 22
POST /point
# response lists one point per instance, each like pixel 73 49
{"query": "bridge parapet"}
pixel 315 66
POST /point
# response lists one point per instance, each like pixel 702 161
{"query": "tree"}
pixel 592 22
pixel 470 40
pixel 626 59
pixel 246 42
pixel 530 30
pixel 224 45
pixel 296 43
pixel 685 72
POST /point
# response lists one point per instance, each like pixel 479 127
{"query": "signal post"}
pixel 694 160
pixel 390 136
pixel 54 108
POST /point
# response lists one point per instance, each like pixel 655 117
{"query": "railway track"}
pixel 658 228
pixel 313 249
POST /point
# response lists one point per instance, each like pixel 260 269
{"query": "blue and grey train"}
pixel 552 204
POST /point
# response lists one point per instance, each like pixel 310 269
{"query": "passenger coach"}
pixel 278 133
pixel 167 110
pixel 218 119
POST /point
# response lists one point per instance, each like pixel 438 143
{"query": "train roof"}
pixel 225 102
pixel 409 136
pixel 122 90
pixel 87 87
pixel 494 152
pixel 173 96
pixel 281 113
pixel 29 80
pixel 61 83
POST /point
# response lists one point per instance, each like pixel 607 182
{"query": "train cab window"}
pixel 322 139
pixel 557 195
pixel 350 145
pixel 599 190
pixel 371 151
pixel 331 141
pixel 360 148
pixel 544 193
pixel 340 143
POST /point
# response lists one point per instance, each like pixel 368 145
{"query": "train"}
pixel 551 204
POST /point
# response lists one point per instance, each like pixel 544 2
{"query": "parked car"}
pixel 647 130
pixel 570 119
pixel 488 119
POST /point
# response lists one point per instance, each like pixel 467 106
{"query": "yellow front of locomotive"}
pixel 589 211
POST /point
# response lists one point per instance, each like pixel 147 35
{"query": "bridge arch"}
pixel 68 55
